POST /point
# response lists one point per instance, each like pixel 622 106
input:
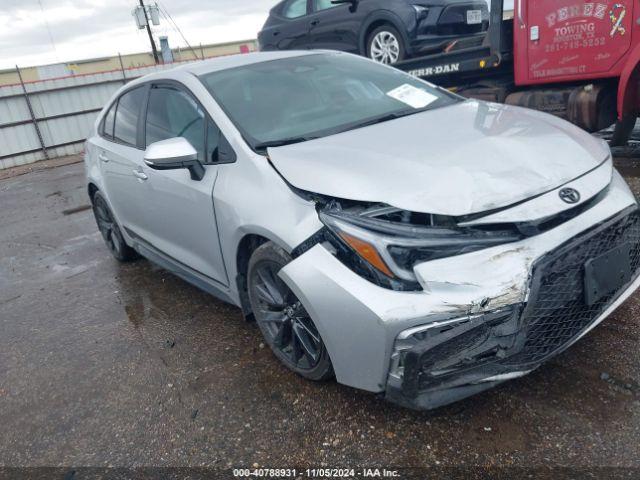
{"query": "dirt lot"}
pixel 110 365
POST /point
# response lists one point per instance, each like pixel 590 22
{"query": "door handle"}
pixel 315 23
pixel 140 175
pixel 276 33
pixel 103 158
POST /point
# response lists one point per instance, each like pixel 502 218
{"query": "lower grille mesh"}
pixel 558 311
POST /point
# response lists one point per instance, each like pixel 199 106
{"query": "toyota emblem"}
pixel 570 195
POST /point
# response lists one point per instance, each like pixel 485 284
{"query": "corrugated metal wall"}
pixel 65 110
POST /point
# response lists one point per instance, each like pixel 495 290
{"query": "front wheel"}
pixel 285 324
pixel 386 45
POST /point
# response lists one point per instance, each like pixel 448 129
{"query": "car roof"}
pixel 227 62
pixel 240 60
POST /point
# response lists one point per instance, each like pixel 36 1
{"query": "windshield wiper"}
pixel 391 116
pixel 281 143
pixel 381 119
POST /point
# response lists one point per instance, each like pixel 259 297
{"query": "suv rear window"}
pixel 127 115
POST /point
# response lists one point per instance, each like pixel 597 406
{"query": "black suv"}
pixel 387 31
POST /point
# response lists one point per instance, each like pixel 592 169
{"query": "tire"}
pixel 285 324
pixel 111 231
pixel 386 45
pixel 623 130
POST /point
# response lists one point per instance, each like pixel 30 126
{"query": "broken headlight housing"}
pixel 388 243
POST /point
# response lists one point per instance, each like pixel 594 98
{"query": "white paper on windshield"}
pixel 412 96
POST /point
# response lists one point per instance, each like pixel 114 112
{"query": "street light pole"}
pixel 153 43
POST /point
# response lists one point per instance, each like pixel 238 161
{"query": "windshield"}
pixel 295 99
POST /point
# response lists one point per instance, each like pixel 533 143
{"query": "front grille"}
pixel 558 312
pixel 520 338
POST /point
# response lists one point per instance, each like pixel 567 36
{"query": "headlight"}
pixel 421 11
pixel 393 249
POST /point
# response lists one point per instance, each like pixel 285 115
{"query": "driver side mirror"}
pixel 173 154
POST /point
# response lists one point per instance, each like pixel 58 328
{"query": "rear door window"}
pixel 295 9
pixel 174 113
pixel 127 116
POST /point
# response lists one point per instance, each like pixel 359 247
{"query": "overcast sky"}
pixel 80 29
pixel 37 32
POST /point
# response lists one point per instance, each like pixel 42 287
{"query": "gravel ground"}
pixel 104 364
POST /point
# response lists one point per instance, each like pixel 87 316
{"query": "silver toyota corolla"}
pixel 376 227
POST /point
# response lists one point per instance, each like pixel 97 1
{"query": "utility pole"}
pixel 153 43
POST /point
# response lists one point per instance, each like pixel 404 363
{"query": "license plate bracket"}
pixel 607 273
pixel 474 17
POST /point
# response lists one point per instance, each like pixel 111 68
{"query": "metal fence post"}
pixel 124 75
pixel 33 116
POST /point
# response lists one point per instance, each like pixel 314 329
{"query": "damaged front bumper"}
pixel 481 319
pixel 441 363
pixel 438 364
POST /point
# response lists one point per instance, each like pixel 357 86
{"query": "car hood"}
pixel 468 158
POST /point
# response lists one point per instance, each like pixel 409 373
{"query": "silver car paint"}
pixel 550 204
pixel 454 288
pixel 468 158
pixel 251 198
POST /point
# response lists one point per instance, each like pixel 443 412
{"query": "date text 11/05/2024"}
pixel 315 473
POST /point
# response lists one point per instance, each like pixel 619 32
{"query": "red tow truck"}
pixel 577 59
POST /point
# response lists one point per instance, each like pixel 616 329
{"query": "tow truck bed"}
pixel 465 63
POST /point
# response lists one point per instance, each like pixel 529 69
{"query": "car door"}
pixel 289 30
pixel 334 27
pixel 180 218
pixel 121 156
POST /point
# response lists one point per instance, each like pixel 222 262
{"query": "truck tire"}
pixel 623 129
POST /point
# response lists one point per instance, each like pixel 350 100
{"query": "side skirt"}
pixel 182 271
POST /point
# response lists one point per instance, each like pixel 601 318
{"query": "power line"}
pixel 46 22
pixel 167 15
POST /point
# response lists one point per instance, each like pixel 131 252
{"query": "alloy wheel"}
pixel 385 48
pixel 284 320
